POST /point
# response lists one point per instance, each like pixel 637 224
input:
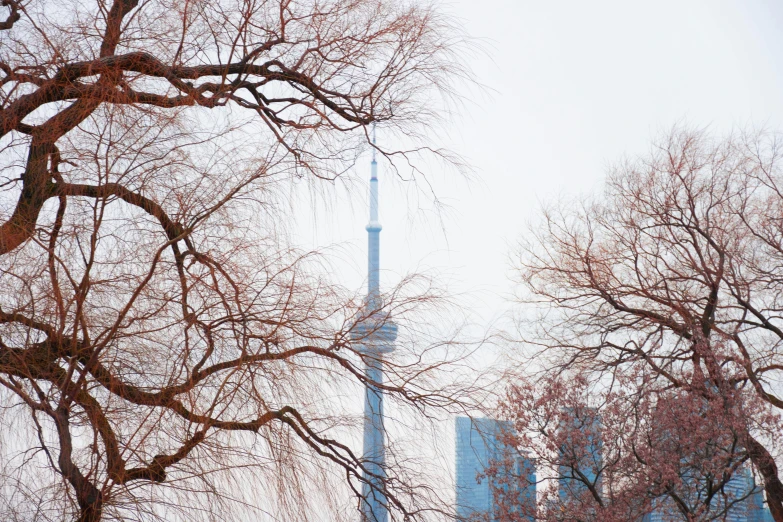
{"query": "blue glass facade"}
pixel 757 510
pixel 739 497
pixel 581 459
pixel 478 445
pixel 740 501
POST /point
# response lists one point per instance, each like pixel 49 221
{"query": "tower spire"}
pixel 375 336
pixel 373 235
pixel 373 142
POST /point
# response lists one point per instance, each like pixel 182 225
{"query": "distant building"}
pixel 479 446
pixel 757 511
pixel 742 499
pixel 742 492
pixel 581 460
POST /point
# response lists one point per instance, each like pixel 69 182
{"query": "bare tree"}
pixel 676 269
pixel 157 331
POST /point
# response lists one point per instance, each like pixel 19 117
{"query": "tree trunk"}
pixel 36 189
pixel 766 466
pixel 91 512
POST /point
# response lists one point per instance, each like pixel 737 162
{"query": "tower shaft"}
pixel 374 504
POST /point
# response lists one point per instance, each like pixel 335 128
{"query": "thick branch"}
pixel 173 230
pixel 13 16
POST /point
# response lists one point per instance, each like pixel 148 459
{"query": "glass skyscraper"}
pixel 581 459
pixel 740 501
pixel 757 511
pixel 513 487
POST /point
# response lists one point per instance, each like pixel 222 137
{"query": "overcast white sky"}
pixel 573 86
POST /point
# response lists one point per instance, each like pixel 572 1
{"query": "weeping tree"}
pixel 165 351
pixel 670 282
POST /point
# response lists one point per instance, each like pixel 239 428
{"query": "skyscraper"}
pixel 581 457
pixel 479 445
pixel 757 510
pixel 738 497
pixel 740 500
pixel 375 336
pixel 756 506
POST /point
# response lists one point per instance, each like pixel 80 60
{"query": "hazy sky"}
pixel 572 87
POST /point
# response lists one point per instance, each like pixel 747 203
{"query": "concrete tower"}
pixel 375 336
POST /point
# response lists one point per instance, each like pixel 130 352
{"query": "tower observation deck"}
pixel 375 337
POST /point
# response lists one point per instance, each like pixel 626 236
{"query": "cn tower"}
pixel 375 336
